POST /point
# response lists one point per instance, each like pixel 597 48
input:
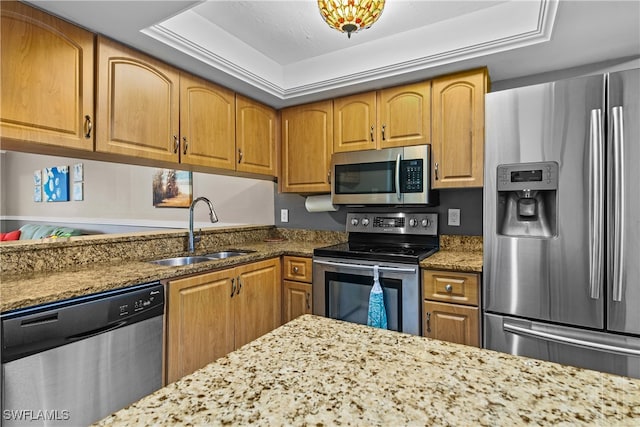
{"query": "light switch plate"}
pixel 284 215
pixel 454 217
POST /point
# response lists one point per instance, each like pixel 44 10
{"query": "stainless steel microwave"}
pixel 391 176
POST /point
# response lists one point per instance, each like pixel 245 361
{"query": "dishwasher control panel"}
pixel 136 303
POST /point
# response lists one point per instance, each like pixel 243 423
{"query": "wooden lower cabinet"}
pixel 212 314
pixel 450 306
pixel 296 300
pixel 296 287
pixel 451 322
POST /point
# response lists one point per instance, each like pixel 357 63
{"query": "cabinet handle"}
pixel 233 287
pixel 448 288
pixel 239 155
pixel 371 133
pixel 88 126
pixel 383 128
pixel 184 149
pixel 436 171
pixel 239 286
pixel 308 302
pixel 176 143
pixel 428 322
pixel 329 176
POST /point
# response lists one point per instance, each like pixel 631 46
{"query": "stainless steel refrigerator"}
pixel 561 277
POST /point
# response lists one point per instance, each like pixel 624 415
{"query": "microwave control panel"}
pixel 411 176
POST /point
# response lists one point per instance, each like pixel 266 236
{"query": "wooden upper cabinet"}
pixel 404 115
pixel 354 120
pixel 207 123
pixel 138 104
pixel 458 129
pixel 255 137
pixel 307 144
pixel 46 82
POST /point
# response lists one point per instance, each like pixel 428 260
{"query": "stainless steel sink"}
pixel 181 260
pixel 188 260
pixel 227 254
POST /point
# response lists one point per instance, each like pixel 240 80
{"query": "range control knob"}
pixel 426 222
pixel 365 221
pixel 413 222
pixel 354 221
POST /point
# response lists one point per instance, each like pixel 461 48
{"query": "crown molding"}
pixel 514 25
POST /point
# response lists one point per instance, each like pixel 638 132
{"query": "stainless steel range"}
pixel 394 241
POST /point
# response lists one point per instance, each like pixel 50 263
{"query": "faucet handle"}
pixel 196 239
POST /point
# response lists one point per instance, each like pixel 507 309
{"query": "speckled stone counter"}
pixel 99 264
pixel 457 253
pixel 318 371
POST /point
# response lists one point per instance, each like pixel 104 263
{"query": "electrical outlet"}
pixel 284 215
pixel 454 217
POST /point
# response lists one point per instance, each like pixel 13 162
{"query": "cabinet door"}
pixel 354 120
pixel 207 124
pixel 138 104
pixel 307 144
pixel 458 130
pixel 258 300
pixel 200 325
pixel 46 80
pixel 255 137
pixel 297 300
pixel 451 322
pixel 404 115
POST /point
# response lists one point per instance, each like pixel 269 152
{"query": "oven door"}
pixel 341 289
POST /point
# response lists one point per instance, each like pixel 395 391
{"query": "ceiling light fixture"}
pixel 350 16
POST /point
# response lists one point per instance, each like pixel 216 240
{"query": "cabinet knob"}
pixel 448 288
pixel 296 270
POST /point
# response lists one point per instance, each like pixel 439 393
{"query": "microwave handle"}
pixel 398 194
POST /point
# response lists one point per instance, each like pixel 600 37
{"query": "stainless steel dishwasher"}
pixel 76 361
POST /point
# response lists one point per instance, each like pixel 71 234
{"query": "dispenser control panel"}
pixel 528 176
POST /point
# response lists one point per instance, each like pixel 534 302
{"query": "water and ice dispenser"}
pixel 527 200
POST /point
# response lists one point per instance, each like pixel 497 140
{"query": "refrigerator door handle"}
pixel 560 339
pixel 596 205
pixel 618 201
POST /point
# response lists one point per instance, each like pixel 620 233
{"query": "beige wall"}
pixel 121 194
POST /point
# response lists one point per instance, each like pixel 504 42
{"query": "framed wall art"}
pixel 172 188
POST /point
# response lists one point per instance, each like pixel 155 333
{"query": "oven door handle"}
pixel 365 267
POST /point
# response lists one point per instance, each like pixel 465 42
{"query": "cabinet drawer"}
pixel 298 268
pixel 448 286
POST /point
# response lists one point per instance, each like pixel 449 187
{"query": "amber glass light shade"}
pixel 350 16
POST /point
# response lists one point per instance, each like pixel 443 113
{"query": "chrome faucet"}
pixel 212 214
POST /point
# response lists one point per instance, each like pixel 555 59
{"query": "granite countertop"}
pixel 27 289
pixel 457 253
pixel 319 371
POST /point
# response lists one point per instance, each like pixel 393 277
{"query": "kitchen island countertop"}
pixel 320 371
